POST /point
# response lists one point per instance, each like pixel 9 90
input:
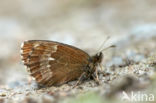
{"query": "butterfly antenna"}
pixel 108 37
pixel 112 46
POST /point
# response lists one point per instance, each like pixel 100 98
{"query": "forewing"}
pixel 53 63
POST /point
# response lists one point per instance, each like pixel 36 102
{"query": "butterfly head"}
pixel 97 58
pixel 94 61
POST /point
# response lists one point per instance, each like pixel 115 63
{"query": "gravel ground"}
pixel 129 67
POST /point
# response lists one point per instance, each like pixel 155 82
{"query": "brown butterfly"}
pixel 54 63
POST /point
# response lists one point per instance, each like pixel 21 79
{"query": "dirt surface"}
pixel 130 67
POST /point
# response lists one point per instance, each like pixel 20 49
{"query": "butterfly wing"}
pixel 53 63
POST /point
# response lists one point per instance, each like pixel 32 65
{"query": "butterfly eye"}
pixel 99 57
pixel 99 54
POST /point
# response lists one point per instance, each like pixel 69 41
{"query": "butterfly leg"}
pixel 96 77
pixel 101 67
pixel 102 70
pixel 81 78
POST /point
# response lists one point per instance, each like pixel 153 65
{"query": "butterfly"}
pixel 54 63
